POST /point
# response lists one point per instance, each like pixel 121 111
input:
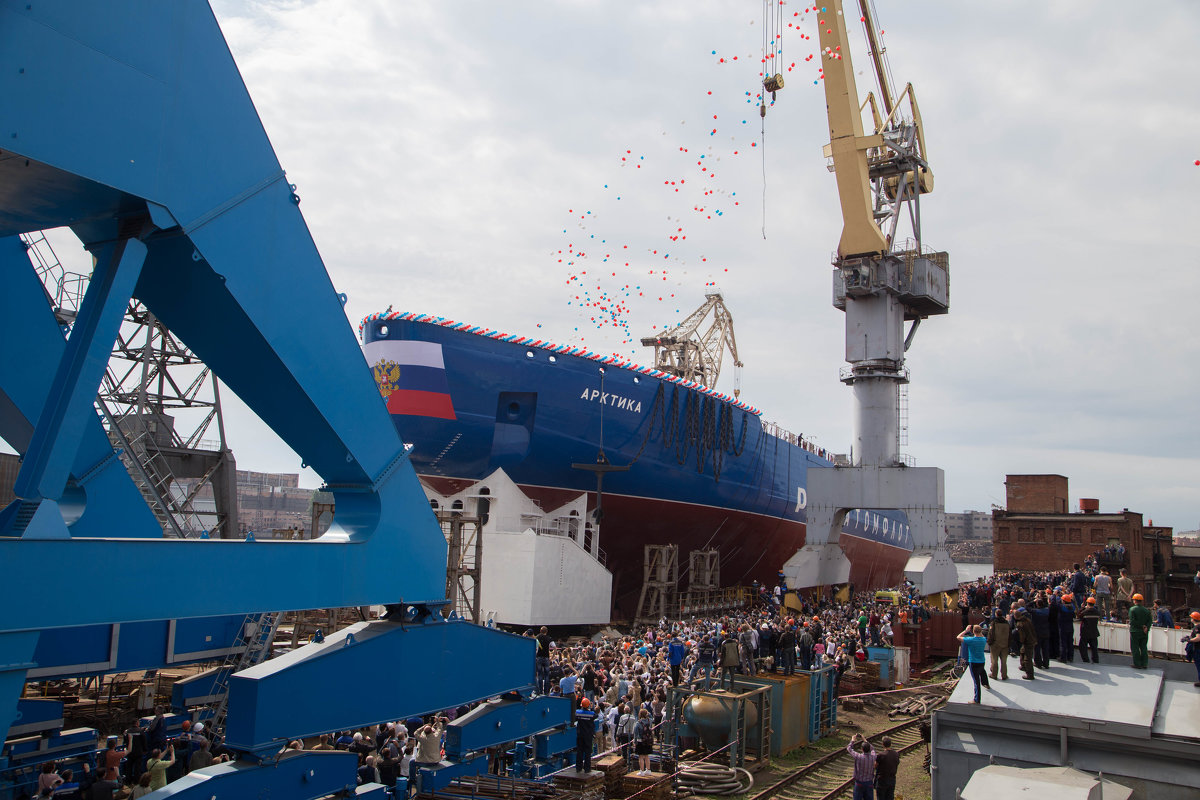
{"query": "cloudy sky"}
pixel 474 160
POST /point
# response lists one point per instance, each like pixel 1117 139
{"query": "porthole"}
pixel 383 331
pixel 529 354
pixel 636 379
pixel 553 359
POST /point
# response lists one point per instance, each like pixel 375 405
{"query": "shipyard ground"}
pixel 912 778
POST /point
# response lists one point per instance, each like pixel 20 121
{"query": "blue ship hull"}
pixel 704 470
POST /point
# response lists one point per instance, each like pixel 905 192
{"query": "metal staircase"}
pixel 252 646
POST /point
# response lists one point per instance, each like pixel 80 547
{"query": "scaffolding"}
pixel 161 407
pixel 464 560
pixel 660 584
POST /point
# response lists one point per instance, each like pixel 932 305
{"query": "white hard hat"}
pixel 198 727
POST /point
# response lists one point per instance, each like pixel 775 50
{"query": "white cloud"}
pixel 439 146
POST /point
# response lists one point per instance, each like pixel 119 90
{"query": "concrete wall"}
pixel 529 579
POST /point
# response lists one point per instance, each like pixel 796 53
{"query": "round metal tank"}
pixel 711 716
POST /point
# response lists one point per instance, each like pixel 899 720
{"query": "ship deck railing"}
pixel 569 528
pixel 703 601
pixel 796 439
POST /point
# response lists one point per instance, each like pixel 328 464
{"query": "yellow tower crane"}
pixel 879 281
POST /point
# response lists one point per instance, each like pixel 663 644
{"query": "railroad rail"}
pixel 832 775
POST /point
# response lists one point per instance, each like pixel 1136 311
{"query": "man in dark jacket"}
pixel 1040 616
pixel 1027 636
pixel 1066 629
pixel 706 656
pixel 730 656
pixel 997 639
pixel 585 729
pixel 1089 631
pixel 887 762
pixel 1078 588
pixel 805 642
pixel 787 650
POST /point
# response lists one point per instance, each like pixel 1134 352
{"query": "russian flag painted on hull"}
pixel 412 377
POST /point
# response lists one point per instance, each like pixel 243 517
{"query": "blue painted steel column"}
pixel 68 409
pixel 34 345
pixel 16 657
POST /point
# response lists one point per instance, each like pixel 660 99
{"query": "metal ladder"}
pixel 252 646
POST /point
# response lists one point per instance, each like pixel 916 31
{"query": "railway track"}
pixel 832 775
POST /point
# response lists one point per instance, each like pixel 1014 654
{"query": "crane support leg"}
pixel 919 492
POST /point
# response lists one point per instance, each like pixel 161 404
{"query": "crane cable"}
pixel 772 52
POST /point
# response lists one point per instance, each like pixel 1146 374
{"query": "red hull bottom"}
pixel 752 547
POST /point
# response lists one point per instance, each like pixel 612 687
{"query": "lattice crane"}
pixel 695 352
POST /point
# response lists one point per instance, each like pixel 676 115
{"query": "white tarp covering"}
pixel 1060 783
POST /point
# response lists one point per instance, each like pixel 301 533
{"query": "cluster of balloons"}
pixel 611 286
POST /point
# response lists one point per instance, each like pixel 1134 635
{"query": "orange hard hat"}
pixel 585 703
pixel 1196 615
pixel 1068 597
pixel 1091 601
pixel 1137 597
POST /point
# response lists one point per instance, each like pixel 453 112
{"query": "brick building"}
pixel 1037 533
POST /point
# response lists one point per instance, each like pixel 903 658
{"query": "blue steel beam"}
pixel 69 403
pixel 26 372
pixel 505 719
pixel 444 664
pixel 299 775
pixel 231 269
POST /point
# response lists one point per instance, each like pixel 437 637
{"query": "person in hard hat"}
pixel 1064 628
pixel 1193 644
pixel 585 730
pixel 1139 632
pixel 1089 631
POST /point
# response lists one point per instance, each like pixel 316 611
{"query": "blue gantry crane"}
pixel 128 122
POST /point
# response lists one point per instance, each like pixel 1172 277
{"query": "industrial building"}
pixel 968 526
pixel 1036 532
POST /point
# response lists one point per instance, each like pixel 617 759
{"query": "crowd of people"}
pixel 619 685
pixel 1032 616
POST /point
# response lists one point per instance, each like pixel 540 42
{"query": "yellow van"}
pixel 892 598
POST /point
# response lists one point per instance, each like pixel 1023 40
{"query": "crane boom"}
pixel 847 144
pixel 877 174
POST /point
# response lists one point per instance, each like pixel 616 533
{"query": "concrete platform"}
pixel 1135 726
pixel 1077 694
